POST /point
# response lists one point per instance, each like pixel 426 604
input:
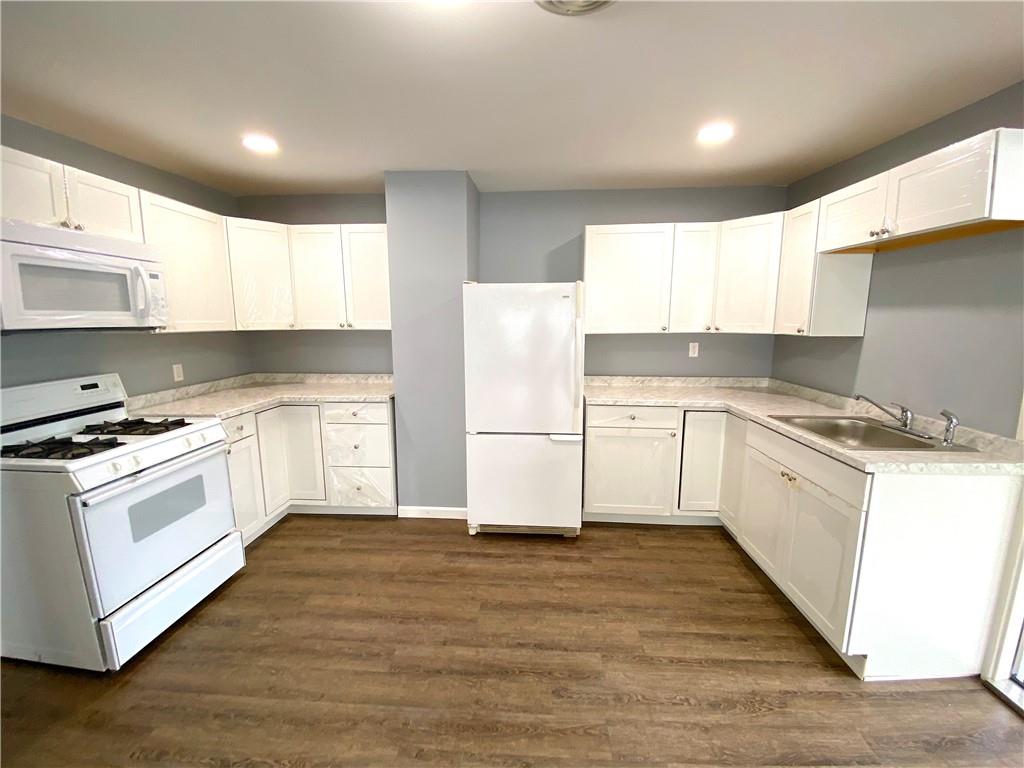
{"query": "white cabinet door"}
pixel 271 429
pixel 305 452
pixel 748 274
pixel 733 456
pixel 194 249
pixel 103 206
pixel 850 215
pixel 628 277
pixel 822 549
pixel 33 188
pixel 631 471
pixel 946 187
pixel 261 274
pixel 318 276
pixel 246 486
pixel 695 257
pixel 701 480
pixel 367 282
pixel 764 511
pixel 796 272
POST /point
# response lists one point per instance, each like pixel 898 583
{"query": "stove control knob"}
pixel 202 438
pixel 115 467
pixel 137 460
pixel 188 442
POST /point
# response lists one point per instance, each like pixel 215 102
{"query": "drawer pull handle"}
pixel 632 417
pixel 240 428
pixel 356 447
pixel 355 413
pixel 359 487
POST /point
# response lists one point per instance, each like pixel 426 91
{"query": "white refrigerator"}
pixel 524 406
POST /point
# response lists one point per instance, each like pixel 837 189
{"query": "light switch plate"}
pixel 694 349
pixel 179 372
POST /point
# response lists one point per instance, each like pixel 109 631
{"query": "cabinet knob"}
pixel 66 224
pixel 350 325
pixel 291 325
pixel 664 327
pixel 707 327
pixel 355 447
pixel 671 434
pixel 799 330
pixel 240 428
pixel 359 487
pixel 874 233
pixel 717 328
pixel 355 413
pixel 632 417
pixel 341 325
pixel 883 231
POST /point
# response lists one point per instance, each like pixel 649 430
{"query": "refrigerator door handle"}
pixel 578 364
pixel 566 438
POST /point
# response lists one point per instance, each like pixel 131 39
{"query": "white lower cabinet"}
pixel 764 511
pixel 821 548
pixel 734 450
pixel 247 487
pixel 703 442
pixel 631 471
pixel 271 428
pixel 361 486
pixel 291 455
pixel 359 454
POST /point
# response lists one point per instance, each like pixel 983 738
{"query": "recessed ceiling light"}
pixel 572 7
pixel 260 143
pixel 717 132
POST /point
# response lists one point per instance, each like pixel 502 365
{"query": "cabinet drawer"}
pixel 841 480
pixel 358 445
pixel 360 487
pixel 640 417
pixel 356 413
pixel 240 427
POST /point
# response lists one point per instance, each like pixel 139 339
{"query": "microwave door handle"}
pixel 147 298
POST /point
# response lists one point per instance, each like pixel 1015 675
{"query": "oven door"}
pixel 133 532
pixel 46 287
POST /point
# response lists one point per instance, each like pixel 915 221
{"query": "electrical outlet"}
pixel 694 349
pixel 178 371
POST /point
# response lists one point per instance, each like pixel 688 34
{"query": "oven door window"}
pixel 155 513
pixel 70 289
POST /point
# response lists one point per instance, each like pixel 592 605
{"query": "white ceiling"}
pixel 519 97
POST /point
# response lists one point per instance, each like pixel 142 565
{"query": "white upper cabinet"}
pixel 820 294
pixel 853 215
pixel 367 282
pixel 33 188
pixel 694 263
pixel 41 191
pixel 260 274
pixel 748 274
pixel 318 276
pixel 954 185
pixel 103 206
pixel 796 272
pixel 194 251
pixel 628 277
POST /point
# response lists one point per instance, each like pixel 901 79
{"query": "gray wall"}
pixel 945 324
pixel 314 209
pixel 429 248
pixel 538 237
pixel 54 146
pixel 319 351
pixel 143 359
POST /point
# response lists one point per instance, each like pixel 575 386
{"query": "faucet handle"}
pixel 952 421
pixel 906 415
pixel 951 417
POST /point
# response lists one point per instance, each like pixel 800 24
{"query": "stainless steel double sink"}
pixel 864 434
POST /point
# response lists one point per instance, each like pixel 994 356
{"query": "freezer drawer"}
pixel 525 480
pixel 128 630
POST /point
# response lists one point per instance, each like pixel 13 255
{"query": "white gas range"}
pixel 112 528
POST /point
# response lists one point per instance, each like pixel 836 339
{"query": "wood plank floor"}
pixel 406 642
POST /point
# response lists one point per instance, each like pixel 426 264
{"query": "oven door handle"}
pixel 110 490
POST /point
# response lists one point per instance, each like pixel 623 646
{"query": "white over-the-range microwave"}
pixel 56 278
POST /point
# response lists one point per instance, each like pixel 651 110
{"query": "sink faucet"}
pixel 952 422
pixel 905 417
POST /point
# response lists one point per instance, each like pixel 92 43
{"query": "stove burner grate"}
pixel 59 448
pixel 134 427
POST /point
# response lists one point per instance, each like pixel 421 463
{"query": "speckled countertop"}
pixel 758 404
pixel 253 396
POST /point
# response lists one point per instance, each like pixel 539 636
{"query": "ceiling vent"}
pixel 572 7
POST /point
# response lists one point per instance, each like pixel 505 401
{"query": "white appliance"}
pixel 111 528
pixel 59 278
pixel 524 406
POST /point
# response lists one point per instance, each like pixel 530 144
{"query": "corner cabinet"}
pixel 193 248
pixel 261 274
pixel 820 294
pixel 628 277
